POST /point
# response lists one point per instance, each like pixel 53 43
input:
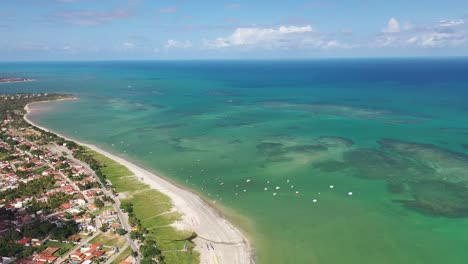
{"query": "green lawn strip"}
pixel 167 237
pixel 128 184
pixel 184 257
pixel 123 255
pixel 161 220
pixel 109 239
pixel 112 167
pixel 64 247
pixel 120 177
pixel 150 207
pixel 149 203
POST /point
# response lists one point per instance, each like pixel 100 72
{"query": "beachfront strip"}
pixel 53 207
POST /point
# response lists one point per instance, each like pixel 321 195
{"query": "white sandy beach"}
pixel 218 242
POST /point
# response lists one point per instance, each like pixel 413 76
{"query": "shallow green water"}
pixel 394 133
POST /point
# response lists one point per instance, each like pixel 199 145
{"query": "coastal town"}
pixel 53 207
pixel 64 201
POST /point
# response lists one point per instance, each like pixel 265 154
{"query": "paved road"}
pixel 111 259
pixel 82 243
pixel 123 217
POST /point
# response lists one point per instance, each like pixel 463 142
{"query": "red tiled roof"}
pixel 24 241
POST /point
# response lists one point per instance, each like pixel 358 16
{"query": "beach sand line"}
pixel 232 247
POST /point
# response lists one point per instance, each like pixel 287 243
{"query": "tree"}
pixel 99 203
pixel 104 227
pixel 121 231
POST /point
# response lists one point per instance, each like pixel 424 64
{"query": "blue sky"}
pixel 204 29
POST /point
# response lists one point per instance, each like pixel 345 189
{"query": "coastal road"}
pixel 123 217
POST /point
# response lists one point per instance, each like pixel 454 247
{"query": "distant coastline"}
pixel 15 80
pixel 232 247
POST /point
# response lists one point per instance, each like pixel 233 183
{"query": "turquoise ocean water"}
pixel 392 132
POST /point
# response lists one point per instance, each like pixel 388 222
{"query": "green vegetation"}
pixel 109 239
pixel 37 229
pixel 150 211
pixel 33 187
pixel 12 105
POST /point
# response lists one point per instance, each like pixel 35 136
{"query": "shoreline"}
pixel 231 245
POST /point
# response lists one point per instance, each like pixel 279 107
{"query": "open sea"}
pixel 350 161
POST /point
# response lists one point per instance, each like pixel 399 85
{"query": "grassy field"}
pixel 123 255
pixel 109 239
pixel 153 208
pixel 100 211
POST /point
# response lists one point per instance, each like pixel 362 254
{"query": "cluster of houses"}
pixel 22 162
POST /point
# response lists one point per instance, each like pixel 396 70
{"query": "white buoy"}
pixel 292 186
pixel 331 186
pixel 314 200
pixel 245 190
pixel 277 187
pixel 297 192
pixel 350 193
pixel 287 181
pixel 247 180
pixel 274 194
pixel 268 181
pixel 266 189
pixel 219 184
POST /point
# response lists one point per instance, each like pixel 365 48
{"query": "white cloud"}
pixel 442 34
pixel 437 40
pixel 174 44
pixel 283 37
pixel 451 23
pixel 393 26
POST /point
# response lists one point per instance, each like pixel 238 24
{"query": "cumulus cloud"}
pixel 91 17
pixel 174 44
pixel 393 26
pixel 283 37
